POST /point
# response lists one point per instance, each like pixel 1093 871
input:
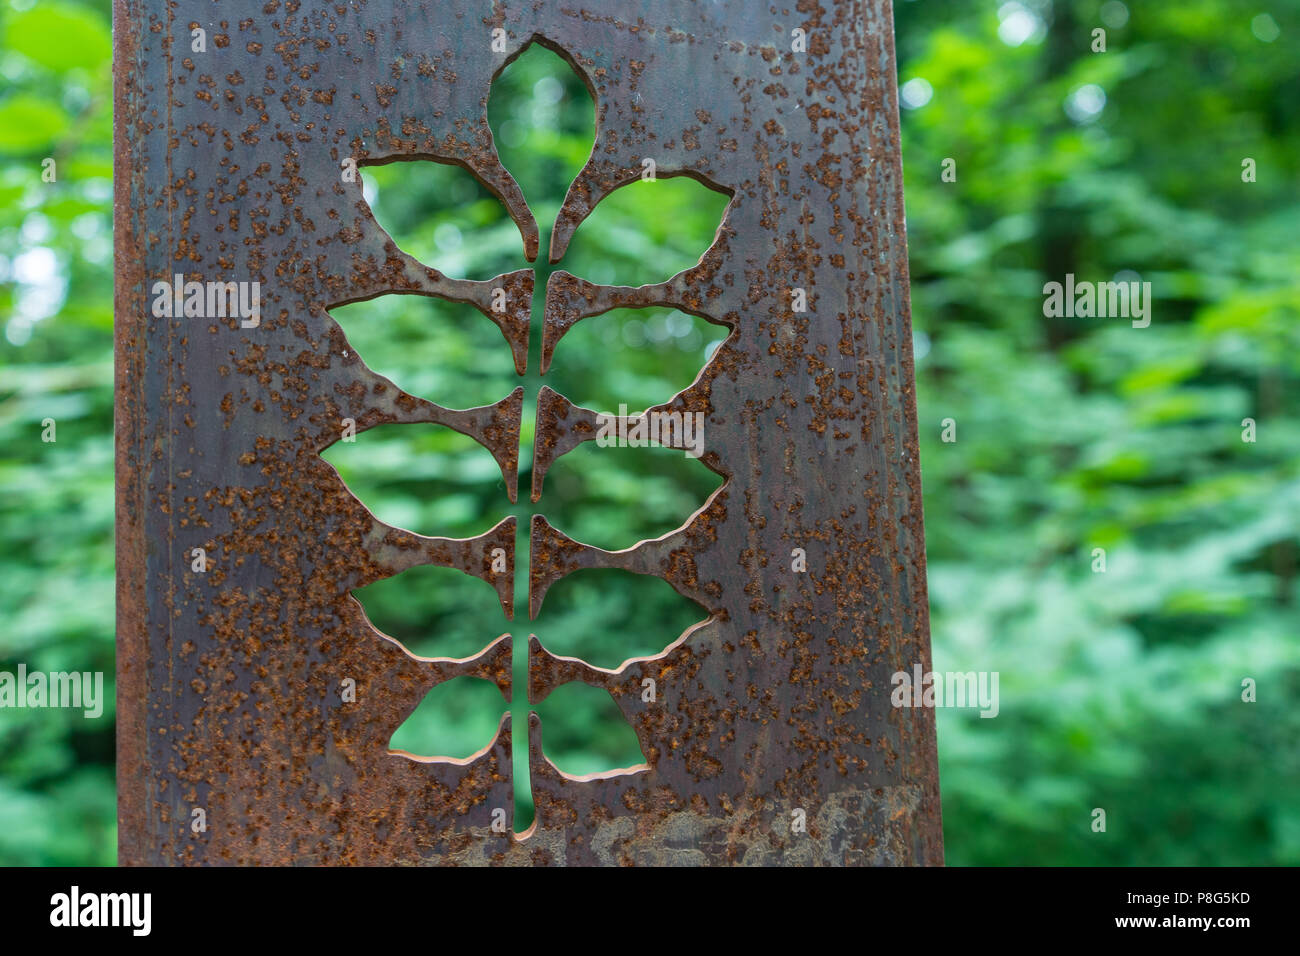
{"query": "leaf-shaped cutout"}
pixel 584 732
pixel 659 228
pixel 456 720
pixel 543 121
pixel 424 478
pixel 646 355
pixel 607 617
pixel 614 497
pixel 447 352
pixel 443 216
pixel 646 232
pixel 435 611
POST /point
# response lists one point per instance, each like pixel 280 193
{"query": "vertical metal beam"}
pixel 775 709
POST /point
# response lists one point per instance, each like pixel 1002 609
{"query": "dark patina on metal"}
pixel 775 706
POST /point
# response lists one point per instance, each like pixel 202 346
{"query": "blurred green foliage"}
pixel 56 362
pixel 1119 690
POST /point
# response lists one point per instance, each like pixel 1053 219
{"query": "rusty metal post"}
pixel 771 738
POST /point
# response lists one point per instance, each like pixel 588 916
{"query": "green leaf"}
pixel 60 37
pixel 28 122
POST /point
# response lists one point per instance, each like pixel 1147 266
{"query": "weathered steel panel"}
pixel 228 170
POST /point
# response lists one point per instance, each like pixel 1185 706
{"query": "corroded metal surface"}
pixel 777 702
